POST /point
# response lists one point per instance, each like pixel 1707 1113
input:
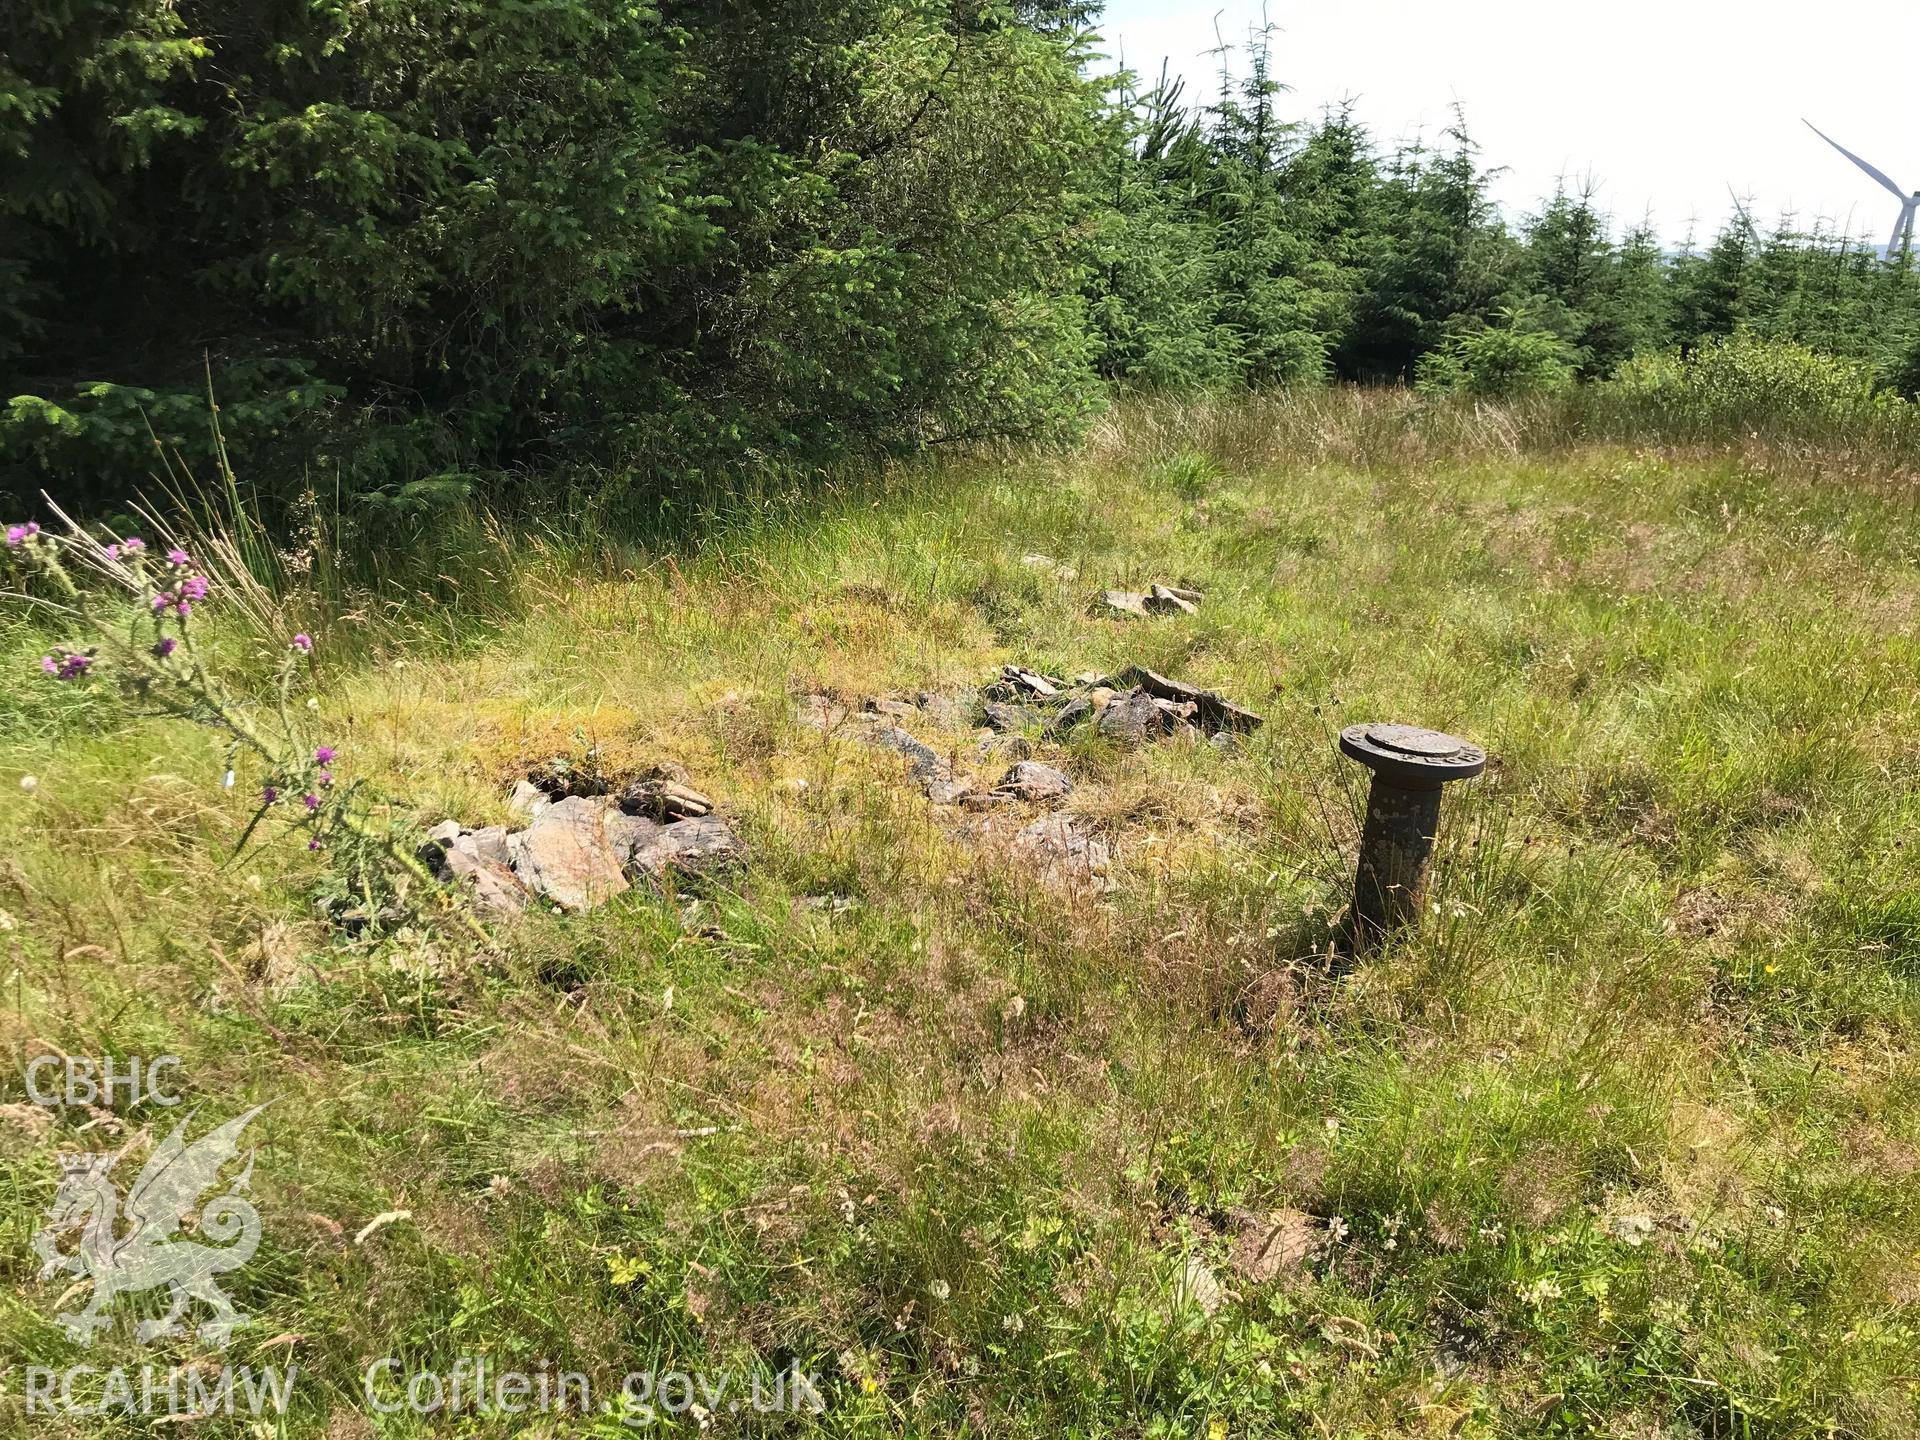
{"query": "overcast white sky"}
pixel 1666 104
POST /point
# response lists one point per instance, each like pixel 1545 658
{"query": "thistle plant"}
pixel 138 611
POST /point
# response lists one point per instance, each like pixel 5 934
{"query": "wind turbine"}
pixel 1909 204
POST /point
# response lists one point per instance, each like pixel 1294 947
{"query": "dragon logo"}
pixel 143 1248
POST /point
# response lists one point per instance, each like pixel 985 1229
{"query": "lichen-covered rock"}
pixel 1133 717
pixel 527 800
pixel 694 847
pixel 480 860
pixel 1060 852
pixel 1165 600
pixel 1005 718
pixel 1030 780
pixel 574 852
pixel 1212 711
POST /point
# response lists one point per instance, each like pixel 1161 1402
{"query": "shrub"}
pixel 1498 362
pixel 416 240
pixel 1744 385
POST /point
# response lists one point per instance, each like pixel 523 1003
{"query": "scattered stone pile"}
pixel 1133 707
pixel 581 849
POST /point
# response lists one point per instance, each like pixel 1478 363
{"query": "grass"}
pixel 1623 1142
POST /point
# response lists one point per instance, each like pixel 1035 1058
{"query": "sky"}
pixel 1670 106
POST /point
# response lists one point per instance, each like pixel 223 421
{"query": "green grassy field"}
pixel 1622 1142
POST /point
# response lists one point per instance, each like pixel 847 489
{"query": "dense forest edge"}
pixel 421 254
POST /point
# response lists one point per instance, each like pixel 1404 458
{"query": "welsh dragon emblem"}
pixel 143 1248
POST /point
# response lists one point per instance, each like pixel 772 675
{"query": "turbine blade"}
pixel 1856 159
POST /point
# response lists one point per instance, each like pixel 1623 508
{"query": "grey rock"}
pixel 1030 780
pixel 949 792
pixel 662 799
pixel 949 712
pixel 821 712
pixel 923 761
pixel 574 852
pixel 527 800
pixel 1032 682
pixel 1125 602
pixel 1133 717
pixel 898 709
pixel 694 847
pixel 1162 600
pixel 489 843
pixel 1212 711
pixel 1004 718
pixel 1060 852
pixel 1076 711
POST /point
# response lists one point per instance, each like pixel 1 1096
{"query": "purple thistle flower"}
pixel 162 601
pixel 314 844
pixel 133 545
pixel 183 609
pixel 18 535
pixel 177 558
pixel 269 795
pixel 326 777
pixel 303 642
pixel 194 587
pixel 310 800
pixel 165 647
pixel 113 552
pixel 68 665
pixel 324 755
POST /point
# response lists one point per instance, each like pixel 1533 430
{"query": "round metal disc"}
pixel 1411 755
pixel 1412 740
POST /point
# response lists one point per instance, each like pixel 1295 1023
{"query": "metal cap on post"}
pixel 1409 766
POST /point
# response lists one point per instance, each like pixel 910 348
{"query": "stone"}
pixel 1214 713
pixel 527 800
pixel 694 847
pixel 488 843
pixel 1266 1247
pixel 898 709
pixel 1199 1287
pixel 1030 780
pixel 1225 741
pixel 574 852
pixel 1004 747
pixel 664 800
pixel 1161 600
pixel 479 859
pixel 1060 852
pixel 923 761
pixel 949 712
pixel 1032 682
pixel 1076 711
pixel 1125 602
pixel 1134 717
pixel 1004 718
pixel 821 712
pixel 949 792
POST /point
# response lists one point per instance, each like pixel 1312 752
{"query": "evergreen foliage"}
pixel 417 248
